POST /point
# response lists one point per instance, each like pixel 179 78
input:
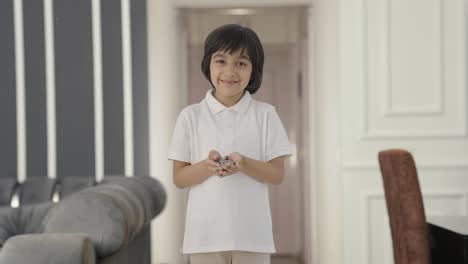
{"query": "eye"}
pixel 219 61
pixel 242 64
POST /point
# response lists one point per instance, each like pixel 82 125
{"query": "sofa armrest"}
pixel 48 249
pixel 111 214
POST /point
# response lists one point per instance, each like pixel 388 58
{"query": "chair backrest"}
pixel 405 207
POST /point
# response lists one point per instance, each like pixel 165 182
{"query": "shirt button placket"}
pixel 232 127
pixel 227 125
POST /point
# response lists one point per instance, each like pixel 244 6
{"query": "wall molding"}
pixel 128 87
pixel 369 196
pixel 50 88
pixel 20 91
pixel 370 133
pixel 438 107
pixel 369 165
pixel 98 91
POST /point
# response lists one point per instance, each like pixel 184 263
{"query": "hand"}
pixel 236 165
pixel 212 161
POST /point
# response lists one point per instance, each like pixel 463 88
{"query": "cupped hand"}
pixel 212 161
pixel 233 167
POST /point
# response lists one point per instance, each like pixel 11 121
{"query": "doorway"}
pixel 282 31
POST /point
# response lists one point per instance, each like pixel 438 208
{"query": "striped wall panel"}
pixel 140 84
pixel 74 87
pixel 112 87
pixel 8 152
pixel 62 113
pixel 35 88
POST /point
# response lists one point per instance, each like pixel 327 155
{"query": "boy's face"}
pixel 230 73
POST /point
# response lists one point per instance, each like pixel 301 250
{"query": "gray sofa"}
pixel 104 223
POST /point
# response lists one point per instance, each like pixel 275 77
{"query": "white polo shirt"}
pixel 229 213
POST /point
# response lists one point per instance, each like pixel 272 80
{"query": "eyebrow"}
pixel 223 56
pixel 218 55
pixel 245 57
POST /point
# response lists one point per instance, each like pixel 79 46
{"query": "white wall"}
pixel 403 72
pixel 165 99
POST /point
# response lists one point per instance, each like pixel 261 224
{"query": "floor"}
pixel 284 260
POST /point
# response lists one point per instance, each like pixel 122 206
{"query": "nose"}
pixel 229 71
pixel 228 74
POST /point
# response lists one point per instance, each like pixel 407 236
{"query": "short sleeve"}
pixel 277 139
pixel 179 148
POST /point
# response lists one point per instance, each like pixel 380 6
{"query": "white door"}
pixel 403 85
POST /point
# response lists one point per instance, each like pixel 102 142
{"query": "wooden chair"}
pixel 405 207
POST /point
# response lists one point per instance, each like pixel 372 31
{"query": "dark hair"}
pixel 231 38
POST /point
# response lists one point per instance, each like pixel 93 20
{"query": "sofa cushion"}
pixel 7 224
pixel 7 187
pixel 36 190
pixel 73 184
pixel 22 220
pixel 91 213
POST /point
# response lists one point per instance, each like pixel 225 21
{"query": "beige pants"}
pixel 228 257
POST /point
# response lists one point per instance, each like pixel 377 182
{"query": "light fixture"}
pixel 240 11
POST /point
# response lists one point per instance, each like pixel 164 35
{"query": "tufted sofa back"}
pixel 36 190
pixel 7 187
pixel 111 214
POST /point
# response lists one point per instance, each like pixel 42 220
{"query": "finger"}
pixel 213 166
pixel 211 153
pixel 219 167
pixel 228 168
pixel 214 158
pixel 214 155
pixel 212 163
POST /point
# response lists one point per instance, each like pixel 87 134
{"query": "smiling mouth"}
pixel 229 82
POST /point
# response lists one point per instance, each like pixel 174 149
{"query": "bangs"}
pixel 232 43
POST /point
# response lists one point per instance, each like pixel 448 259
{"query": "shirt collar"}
pixel 217 107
